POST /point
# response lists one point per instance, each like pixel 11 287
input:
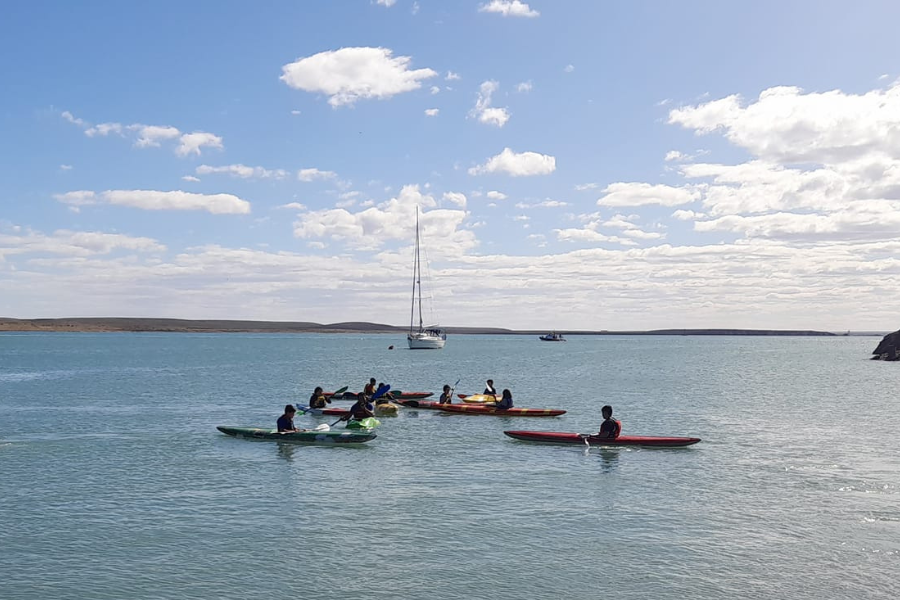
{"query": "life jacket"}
pixel 317 401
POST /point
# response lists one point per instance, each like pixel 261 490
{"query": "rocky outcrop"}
pixel 887 349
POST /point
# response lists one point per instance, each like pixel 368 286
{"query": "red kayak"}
pixel 401 396
pixel 481 409
pixel 553 437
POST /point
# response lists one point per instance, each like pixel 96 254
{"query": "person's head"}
pixel 606 411
pixel 318 390
pixel 507 394
pixel 490 382
pixel 289 409
pixel 372 381
pixel 446 388
pixel 361 397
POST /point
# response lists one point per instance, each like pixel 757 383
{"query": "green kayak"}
pixel 300 437
pixel 367 423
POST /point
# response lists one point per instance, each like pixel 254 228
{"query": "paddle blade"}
pixel 341 391
pixel 381 391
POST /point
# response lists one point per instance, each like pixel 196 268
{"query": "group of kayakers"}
pixel 364 406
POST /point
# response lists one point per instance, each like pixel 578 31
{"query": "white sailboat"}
pixel 421 337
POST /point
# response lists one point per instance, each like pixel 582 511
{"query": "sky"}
pixel 576 165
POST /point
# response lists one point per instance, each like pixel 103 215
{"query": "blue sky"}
pixel 577 165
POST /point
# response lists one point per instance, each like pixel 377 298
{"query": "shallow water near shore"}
pixel 115 483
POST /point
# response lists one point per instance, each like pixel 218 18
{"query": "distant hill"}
pixel 111 324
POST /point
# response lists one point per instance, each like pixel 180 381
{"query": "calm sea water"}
pixel 114 482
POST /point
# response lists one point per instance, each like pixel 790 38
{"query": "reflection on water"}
pixel 286 450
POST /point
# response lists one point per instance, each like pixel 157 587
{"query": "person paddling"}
pixel 609 428
pixel 386 397
pixel 361 409
pixel 318 399
pixel 505 402
pixel 370 388
pixel 446 396
pixel 286 421
pixel 489 389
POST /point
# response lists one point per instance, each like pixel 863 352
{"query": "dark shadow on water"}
pixel 287 450
pixel 609 458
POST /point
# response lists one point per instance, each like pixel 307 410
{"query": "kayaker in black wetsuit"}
pixel 286 421
pixel 318 399
pixel 446 396
pixel 505 402
pixel 489 390
pixel 609 428
pixel 361 409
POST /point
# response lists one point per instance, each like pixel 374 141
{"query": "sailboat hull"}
pixel 425 342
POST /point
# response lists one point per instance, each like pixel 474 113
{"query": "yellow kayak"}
pixel 479 398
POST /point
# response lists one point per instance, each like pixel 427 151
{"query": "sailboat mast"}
pixel 412 307
pixel 418 269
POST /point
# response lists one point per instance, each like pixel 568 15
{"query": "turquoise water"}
pixel 114 482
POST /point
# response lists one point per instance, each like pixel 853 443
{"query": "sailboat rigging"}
pixel 421 337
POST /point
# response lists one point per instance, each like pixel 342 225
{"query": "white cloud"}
pixel 544 204
pixel 79 198
pixel 313 174
pixel 524 87
pixel 494 195
pixel 147 136
pixel 451 76
pixel 586 186
pixel 72 119
pixel 483 110
pixel 190 143
pixel 74 243
pixel 295 112
pixel 434 90
pixel 386 3
pixel 517 164
pixel 675 155
pixel 786 125
pixel 242 171
pixel 569 68
pixel 395 219
pixel 156 200
pixel 590 234
pixel 432 112
pixel 65 167
pixel 641 194
pixel 455 198
pixel 151 135
pixel 509 8
pixel 415 8
pixel 687 215
pixel 104 129
pixel 352 74
pixel 521 218
pixel 293 206
pixel 190 178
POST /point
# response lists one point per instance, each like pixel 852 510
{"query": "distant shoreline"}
pixel 127 324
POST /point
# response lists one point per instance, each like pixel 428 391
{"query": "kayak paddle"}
pixel 381 392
